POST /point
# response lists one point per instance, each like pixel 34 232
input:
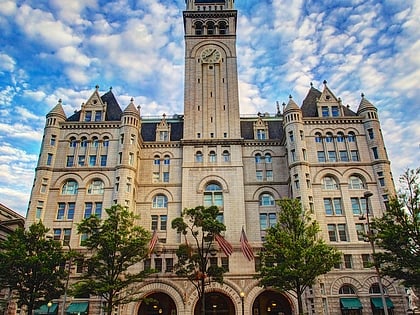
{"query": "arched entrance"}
pixel 162 304
pixel 271 303
pixel 216 303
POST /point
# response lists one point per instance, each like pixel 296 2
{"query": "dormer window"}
pixel 335 111
pixel 88 115
pixel 98 115
pixel 325 111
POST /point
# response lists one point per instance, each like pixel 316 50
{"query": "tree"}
pixel 116 244
pixel 31 266
pixel 293 255
pixel 193 260
pixel 398 232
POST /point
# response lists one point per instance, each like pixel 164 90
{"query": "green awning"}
pixel 44 309
pixel 77 308
pixel 350 304
pixel 377 303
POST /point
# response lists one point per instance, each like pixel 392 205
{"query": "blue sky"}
pixel 51 50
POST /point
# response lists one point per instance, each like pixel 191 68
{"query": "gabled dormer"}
pixel 261 128
pixel 163 130
pixel 328 105
pixel 94 109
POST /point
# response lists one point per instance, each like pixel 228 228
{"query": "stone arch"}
pixel 269 189
pixel 212 178
pixel 149 197
pixel 338 283
pixel 325 172
pixel 388 285
pixel 59 182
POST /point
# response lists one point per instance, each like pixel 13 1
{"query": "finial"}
pixel 325 82
pixel 110 88
pixel 311 84
pixel 131 100
pixel 164 115
pixel 362 95
pixel 290 96
pixel 59 101
pixel 97 87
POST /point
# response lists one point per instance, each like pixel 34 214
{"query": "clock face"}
pixel 210 55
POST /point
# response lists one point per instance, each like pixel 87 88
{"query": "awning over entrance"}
pixel 350 304
pixel 45 310
pixel 77 308
pixel 377 303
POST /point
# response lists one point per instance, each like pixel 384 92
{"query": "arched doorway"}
pixel 216 303
pixel 159 304
pixel 271 303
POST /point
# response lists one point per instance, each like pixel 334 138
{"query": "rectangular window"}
pixel 155 220
pixel 291 136
pixel 147 264
pixel 263 221
pixel 321 156
pixel 166 177
pixel 70 160
pixel 70 210
pixel 131 158
pixel 348 261
pixel 163 136
pixel 39 208
pixel 335 111
pixel 332 156
pixel 354 155
pixel 375 153
pixel 328 206
pixel 366 261
pixel 344 156
pixel 81 160
pixel 225 263
pixel 98 116
pixel 66 236
pixel 122 138
pixel 103 160
pixel 332 233
pixel 259 175
pixel 158 264
pixel 61 210
pixel 342 232
pixel 370 133
pixel 88 210
pixel 358 205
pixel 325 111
pixel 53 140
pixel 169 262
pixel 88 116
pixel 269 175
pixel 92 160
pixel 272 219
pixel 49 158
pixel 98 209
pixel 163 222
pixel 293 155
pixel 360 230
pixel 57 234
pixel 261 134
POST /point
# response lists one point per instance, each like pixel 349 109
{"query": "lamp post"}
pixel 367 195
pixel 67 279
pixel 49 304
pixel 242 295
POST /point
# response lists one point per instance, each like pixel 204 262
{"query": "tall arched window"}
pixel 198 28
pixel 268 158
pixel 318 137
pixel 167 160
pixel 96 187
pixel 213 195
pixel 160 201
pixel 199 156
pixel 258 158
pixel 105 141
pixel 328 182
pixel 210 28
pixel 355 182
pixel 266 200
pixel 222 28
pixel 95 142
pixel 346 289
pixel 340 137
pixel 70 187
pixel 351 137
pixel 73 142
pixel 226 156
pixel 156 160
pixel 83 142
pixel 212 157
pixel 329 137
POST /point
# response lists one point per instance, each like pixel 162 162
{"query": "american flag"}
pixel 153 242
pixel 224 245
pixel 246 248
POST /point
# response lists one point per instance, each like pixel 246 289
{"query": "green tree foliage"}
pixel 398 232
pixel 193 259
pixel 293 255
pixel 115 244
pixel 30 266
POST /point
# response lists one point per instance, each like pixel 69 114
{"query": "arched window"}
pixel 374 289
pixel 160 201
pixel 258 158
pixel 73 142
pixel 213 195
pixel 329 137
pixel 96 187
pixel 226 156
pixel 222 28
pixel 346 289
pixel 70 187
pixel 355 182
pixel 210 28
pixel 198 28
pixel 95 142
pixel 105 141
pixel 212 157
pixel 199 156
pixel 318 137
pixel 351 137
pixel 167 160
pixel 156 160
pixel 328 182
pixel 268 158
pixel 340 137
pixel 266 200
pixel 83 142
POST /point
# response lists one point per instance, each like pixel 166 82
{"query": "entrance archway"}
pixel 216 303
pixel 271 303
pixel 162 304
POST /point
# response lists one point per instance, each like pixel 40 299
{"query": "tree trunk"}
pixel 299 298
pixel 203 297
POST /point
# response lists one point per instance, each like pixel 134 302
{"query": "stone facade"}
pixel 320 152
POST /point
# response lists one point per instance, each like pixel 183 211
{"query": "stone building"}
pixel 321 152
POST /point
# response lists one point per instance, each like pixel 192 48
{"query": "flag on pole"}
pixel 245 247
pixel 224 245
pixel 153 241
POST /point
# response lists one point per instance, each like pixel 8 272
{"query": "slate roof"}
pixel 275 129
pixel 148 130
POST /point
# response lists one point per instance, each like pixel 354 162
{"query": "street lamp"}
pixel 367 194
pixel 67 279
pixel 242 295
pixel 49 304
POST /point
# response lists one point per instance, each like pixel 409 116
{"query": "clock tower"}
pixel 211 105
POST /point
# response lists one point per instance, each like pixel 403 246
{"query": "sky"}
pixel 51 50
